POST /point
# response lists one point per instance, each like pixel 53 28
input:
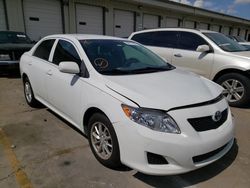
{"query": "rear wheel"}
pixel 237 88
pixel 28 93
pixel 103 141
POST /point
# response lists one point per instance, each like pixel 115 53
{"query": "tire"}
pixel 28 94
pixel 108 138
pixel 237 89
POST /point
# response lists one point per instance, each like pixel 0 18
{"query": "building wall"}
pixel 15 15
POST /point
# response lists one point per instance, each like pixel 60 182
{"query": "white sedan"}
pixel 135 108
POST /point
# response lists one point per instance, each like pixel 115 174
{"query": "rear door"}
pixel 188 58
pixel 65 90
pixel 38 66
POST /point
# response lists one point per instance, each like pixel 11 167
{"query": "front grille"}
pixel 207 123
pixel 203 157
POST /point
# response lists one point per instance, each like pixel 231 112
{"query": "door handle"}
pixel 177 55
pixel 49 73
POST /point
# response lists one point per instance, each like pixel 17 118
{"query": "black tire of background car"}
pixel 245 100
pixel 113 161
pixel 33 103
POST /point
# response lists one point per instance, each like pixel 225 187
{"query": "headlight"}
pixel 5 57
pixel 153 119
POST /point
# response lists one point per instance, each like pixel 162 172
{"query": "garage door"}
pixel 150 21
pixel 226 30
pixel 123 23
pixel 203 26
pixel 215 28
pixel 89 19
pixel 42 17
pixel 2 16
pixel 172 22
pixel 235 32
pixel 242 33
pixel 189 24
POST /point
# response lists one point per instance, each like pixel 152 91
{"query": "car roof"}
pixel 84 36
pixel 175 29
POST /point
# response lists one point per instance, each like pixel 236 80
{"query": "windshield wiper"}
pixel 152 69
pixel 115 71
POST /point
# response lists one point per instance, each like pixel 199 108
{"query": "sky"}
pixel 239 8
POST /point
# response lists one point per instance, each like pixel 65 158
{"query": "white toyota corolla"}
pixel 135 108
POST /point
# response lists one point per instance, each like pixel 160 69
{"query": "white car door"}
pixel 38 66
pixel 188 58
pixel 65 91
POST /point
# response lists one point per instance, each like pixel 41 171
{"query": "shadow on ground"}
pixel 194 177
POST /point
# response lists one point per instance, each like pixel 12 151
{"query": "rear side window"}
pixel 43 50
pixel 190 41
pixel 165 39
pixel 144 38
pixel 160 38
pixel 65 51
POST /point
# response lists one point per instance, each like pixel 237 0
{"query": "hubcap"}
pixel 234 90
pixel 101 140
pixel 27 90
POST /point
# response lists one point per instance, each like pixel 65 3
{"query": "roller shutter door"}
pixel 203 26
pixel 123 23
pixel 242 33
pixel 226 30
pixel 235 32
pixel 215 28
pixel 89 19
pixel 189 24
pixel 172 22
pixel 2 17
pixel 150 21
pixel 42 17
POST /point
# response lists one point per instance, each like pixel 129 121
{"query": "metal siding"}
pixel 2 16
pixel 235 32
pixel 49 14
pixel 172 22
pixel 123 23
pixel 150 21
pixel 89 19
pixel 242 33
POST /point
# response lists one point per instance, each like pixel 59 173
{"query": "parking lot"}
pixel 39 149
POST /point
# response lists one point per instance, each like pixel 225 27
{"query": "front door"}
pixel 186 56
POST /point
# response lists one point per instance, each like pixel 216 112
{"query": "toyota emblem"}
pixel 217 116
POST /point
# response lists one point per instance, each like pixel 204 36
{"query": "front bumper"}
pixel 178 149
pixel 8 65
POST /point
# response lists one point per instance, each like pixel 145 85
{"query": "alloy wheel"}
pixel 101 140
pixel 234 90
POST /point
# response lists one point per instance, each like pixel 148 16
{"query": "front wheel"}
pixel 103 141
pixel 237 88
pixel 28 93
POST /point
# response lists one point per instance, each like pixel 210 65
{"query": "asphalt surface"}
pixel 40 149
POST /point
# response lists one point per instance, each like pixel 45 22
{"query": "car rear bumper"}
pixel 8 65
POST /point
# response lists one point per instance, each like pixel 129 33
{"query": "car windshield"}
pixel 14 37
pixel 225 43
pixel 121 57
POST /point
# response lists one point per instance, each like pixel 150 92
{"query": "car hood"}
pixel 164 90
pixel 244 54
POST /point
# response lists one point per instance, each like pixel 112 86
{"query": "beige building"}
pixel 39 18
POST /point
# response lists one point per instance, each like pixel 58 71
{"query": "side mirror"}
pixel 69 67
pixel 203 48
